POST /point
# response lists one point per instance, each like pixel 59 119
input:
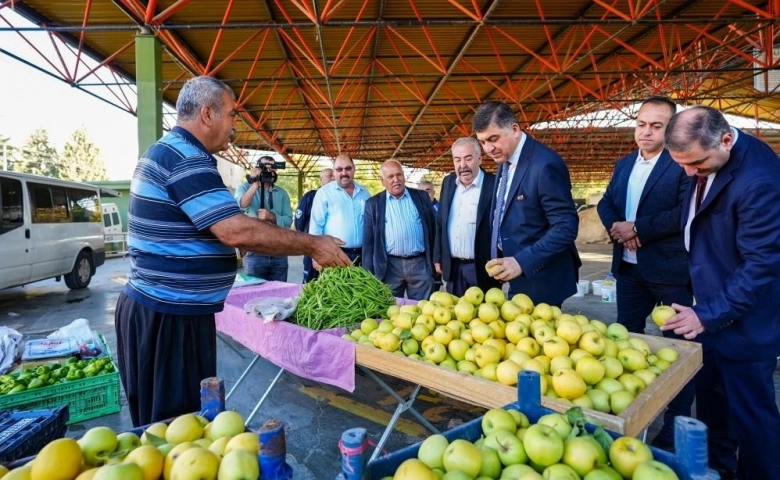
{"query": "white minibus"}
pixel 49 228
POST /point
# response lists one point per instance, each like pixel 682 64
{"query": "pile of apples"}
pixel 190 447
pixel 556 446
pixel 581 361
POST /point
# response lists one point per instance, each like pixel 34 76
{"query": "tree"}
pixel 37 156
pixel 80 160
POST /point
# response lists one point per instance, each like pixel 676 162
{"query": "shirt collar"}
pixel 403 195
pixel 516 154
pixel 647 161
pixel 190 138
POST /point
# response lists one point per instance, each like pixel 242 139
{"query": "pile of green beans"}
pixel 342 297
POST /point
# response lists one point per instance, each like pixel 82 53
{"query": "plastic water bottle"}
pixel 608 289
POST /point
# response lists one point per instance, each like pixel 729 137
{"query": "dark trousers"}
pixel 355 255
pixel 162 358
pixel 410 277
pixel 736 400
pixel 268 267
pixel 636 298
pixel 309 272
pixel 464 275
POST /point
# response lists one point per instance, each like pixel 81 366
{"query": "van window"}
pixel 11 205
pixel 84 204
pixel 49 204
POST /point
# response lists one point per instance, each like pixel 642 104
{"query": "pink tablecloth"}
pixel 320 356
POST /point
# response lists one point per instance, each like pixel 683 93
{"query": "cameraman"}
pixel 259 197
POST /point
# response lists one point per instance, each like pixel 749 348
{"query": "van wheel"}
pixel 81 274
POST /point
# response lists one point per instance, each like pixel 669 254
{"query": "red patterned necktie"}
pixel 701 186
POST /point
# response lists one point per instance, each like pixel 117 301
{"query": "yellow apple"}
pixel 506 372
pixel 591 370
pixel 529 346
pixel 488 312
pixel 568 384
pixel 515 331
pixel 555 346
pixel 485 355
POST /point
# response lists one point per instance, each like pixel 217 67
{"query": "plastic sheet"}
pixel 272 309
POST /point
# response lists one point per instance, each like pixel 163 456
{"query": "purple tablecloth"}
pixel 320 356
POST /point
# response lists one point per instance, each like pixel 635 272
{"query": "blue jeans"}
pixel 266 267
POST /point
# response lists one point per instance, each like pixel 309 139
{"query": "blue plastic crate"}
pixel 689 462
pixel 23 433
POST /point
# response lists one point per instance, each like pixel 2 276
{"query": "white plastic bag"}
pixel 9 348
pixel 88 342
pixel 271 308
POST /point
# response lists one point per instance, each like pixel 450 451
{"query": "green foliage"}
pixel 80 159
pixel 37 156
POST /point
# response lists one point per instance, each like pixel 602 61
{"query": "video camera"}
pixel 267 172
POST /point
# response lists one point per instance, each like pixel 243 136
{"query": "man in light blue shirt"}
pixel 262 199
pixel 338 209
pixel 398 235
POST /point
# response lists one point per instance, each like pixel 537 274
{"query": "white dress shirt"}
pixel 334 212
pixel 462 223
pixel 636 184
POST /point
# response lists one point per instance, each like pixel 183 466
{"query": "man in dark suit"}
pixel 399 226
pixel 731 224
pixel 462 245
pixel 302 217
pixel 533 221
pixel 641 210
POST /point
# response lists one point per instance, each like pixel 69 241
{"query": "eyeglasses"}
pixel 343 169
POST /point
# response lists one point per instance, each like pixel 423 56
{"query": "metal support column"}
pixel 148 62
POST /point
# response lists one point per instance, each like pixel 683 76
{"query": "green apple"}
pixel 443 334
pixel 593 343
pixel 491 464
pixel 591 370
pixel 196 462
pixel 600 400
pixel 414 469
pixel 632 359
pixel 97 444
pixel 524 302
pixel 226 424
pixel 510 448
pixel 646 375
pixel 612 367
pixel 619 401
pixel 603 472
pixel 410 346
pixel 464 311
pixel 654 470
pixel 239 465
pixel 487 354
pixel 464 456
pixel 488 312
pixel 368 325
pixel 640 345
pixel 473 295
pixel 627 453
pixel 495 296
pixel 426 320
pixel 467 366
pixel 521 420
pixel 661 314
pixel 543 445
pixel 529 346
pixel 609 385
pixel 498 419
pixel 419 331
pixel 435 351
pixel 632 383
pixel 667 354
pixel 127 441
pixel 119 471
pixel 617 331
pixel 519 471
pixel 543 311
pixel 558 421
pixel 554 346
pixel 431 451
pixel 583 454
pixel 448 363
pixel 560 471
pixel 403 320
pixel 509 311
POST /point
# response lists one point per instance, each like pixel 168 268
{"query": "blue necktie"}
pixel 498 213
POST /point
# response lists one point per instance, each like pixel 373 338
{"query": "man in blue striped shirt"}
pixel 183 229
pixel 398 233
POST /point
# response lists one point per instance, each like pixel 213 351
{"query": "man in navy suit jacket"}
pixel 641 210
pixel 732 230
pixel 539 222
pixel 399 226
pixel 462 246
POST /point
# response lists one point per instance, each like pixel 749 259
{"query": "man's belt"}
pixel 406 257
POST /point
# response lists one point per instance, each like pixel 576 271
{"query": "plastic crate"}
pixel 86 398
pixel 25 433
pixel 689 462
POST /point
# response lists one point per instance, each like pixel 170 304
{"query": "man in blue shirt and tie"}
pixel 338 209
pixel 398 235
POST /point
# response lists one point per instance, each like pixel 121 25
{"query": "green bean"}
pixel 342 297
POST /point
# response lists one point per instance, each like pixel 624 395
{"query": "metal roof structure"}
pixel 380 79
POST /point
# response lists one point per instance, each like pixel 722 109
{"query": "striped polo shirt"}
pixel 177 264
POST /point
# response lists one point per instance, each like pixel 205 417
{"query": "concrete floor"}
pixel 314 415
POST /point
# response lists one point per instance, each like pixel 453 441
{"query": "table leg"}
pixel 241 378
pixel 404 404
pixel 403 401
pixel 265 395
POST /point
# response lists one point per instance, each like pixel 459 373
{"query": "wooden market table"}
pixel 325 357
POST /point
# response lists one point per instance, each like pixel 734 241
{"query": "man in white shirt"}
pixel 338 207
pixel 641 209
pixel 462 246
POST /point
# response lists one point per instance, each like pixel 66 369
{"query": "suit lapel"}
pixel 485 195
pixel 661 165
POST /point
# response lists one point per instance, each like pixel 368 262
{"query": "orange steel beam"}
pixel 160 18
pixel 218 40
pixel 83 33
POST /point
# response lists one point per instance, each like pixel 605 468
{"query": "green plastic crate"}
pixel 86 398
